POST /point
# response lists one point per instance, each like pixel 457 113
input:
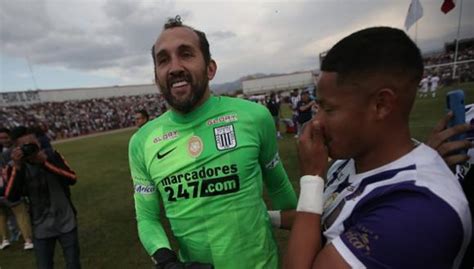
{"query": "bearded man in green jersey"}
pixel 206 160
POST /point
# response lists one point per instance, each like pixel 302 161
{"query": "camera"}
pixel 29 149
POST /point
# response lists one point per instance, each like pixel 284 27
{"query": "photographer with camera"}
pixel 44 177
pixel 18 206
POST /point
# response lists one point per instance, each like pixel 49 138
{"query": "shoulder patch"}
pixel 144 188
pixel 273 163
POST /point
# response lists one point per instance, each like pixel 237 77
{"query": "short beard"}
pixel 187 105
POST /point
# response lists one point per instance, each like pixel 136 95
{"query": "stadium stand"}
pixel 80 117
pixel 441 63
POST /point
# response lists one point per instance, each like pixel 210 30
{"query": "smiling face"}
pixel 180 68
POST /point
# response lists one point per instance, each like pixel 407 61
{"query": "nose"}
pixel 176 68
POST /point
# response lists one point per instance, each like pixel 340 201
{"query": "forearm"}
pixel 287 219
pixel 305 237
pixel 284 199
pixel 282 195
pixel 280 190
pixel 306 107
pixel 150 230
pixel 303 108
pixel 56 164
pixel 305 241
pixel 152 235
pixel 12 188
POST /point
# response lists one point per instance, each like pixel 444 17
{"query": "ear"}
pixel 385 100
pixel 211 69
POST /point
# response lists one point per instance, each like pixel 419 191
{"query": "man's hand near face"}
pixel 312 151
pixel 17 157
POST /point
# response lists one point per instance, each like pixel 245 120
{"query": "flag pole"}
pixel 416 27
pixel 416 32
pixel 457 41
pixel 31 72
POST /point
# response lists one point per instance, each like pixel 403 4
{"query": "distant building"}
pixel 278 83
pixel 60 95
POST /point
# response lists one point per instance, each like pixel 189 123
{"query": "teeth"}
pixel 179 84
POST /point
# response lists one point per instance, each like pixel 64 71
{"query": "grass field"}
pixel 103 194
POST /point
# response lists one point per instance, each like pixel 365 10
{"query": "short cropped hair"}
pixel 377 49
pixel 143 112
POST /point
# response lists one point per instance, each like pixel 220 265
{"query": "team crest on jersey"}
pixel 225 137
pixel 195 146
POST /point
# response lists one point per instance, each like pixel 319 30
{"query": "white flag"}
pixel 415 12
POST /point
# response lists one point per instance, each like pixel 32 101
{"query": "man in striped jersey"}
pixel 459 155
pixel 388 202
pixel 44 177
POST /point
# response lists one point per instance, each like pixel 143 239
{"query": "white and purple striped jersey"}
pixel 434 83
pixel 410 213
pixel 424 84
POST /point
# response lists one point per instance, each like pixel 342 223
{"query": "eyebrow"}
pixel 160 53
pixel 323 103
pixel 185 47
pixel 180 48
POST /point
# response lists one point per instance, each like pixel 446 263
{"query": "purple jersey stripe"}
pixel 376 178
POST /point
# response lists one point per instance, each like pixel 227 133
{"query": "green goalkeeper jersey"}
pixel 208 168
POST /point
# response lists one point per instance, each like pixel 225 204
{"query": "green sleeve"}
pixel 282 194
pixel 150 230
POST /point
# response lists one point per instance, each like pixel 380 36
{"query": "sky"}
pixel 54 44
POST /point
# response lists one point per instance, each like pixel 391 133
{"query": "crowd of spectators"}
pixel 81 117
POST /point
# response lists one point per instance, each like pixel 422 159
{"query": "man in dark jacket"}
pixel 273 105
pixel 305 112
pixel 44 177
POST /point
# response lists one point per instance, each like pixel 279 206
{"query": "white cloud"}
pixel 113 37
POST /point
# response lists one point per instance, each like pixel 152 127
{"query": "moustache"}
pixel 182 76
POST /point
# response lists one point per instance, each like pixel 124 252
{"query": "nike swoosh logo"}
pixel 160 156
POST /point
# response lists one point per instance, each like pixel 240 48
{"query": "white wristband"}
pixel 275 218
pixel 311 195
